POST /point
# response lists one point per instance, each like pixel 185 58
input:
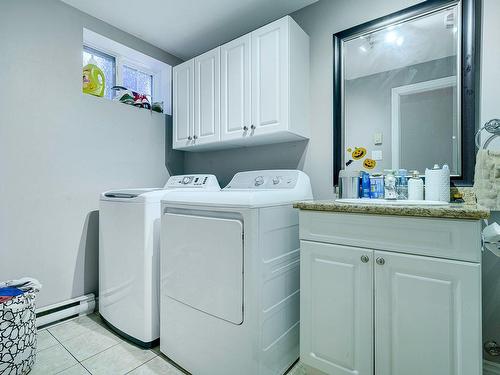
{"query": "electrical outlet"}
pixel 377 154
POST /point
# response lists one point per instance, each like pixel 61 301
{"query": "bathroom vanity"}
pixel 391 290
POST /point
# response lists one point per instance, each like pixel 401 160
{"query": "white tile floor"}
pixel 85 345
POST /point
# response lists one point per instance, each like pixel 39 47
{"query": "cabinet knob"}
pixel 253 127
pixel 190 138
pixel 245 128
pixel 364 258
pixel 195 136
pixel 380 261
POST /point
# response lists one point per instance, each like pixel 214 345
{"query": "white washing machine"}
pixel 230 275
pixel 129 264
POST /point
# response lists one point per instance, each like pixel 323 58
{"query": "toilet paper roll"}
pixel 433 179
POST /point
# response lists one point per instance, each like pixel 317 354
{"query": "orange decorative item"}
pixel 358 153
pixel 369 163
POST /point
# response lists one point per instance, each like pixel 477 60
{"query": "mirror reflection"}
pixel 401 96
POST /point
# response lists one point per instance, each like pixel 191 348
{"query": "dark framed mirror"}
pixel 406 90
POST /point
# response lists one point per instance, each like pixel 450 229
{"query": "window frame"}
pixel 160 71
pixel 155 81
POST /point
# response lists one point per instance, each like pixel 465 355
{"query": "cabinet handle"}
pixel 380 261
pixel 195 136
pixel 253 127
pixel 189 138
pixel 364 258
pixel 245 128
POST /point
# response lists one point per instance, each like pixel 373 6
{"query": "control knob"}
pixel 259 180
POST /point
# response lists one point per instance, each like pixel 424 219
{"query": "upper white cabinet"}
pixel 183 104
pixel 236 108
pixel 270 79
pixel 207 97
pixel 252 90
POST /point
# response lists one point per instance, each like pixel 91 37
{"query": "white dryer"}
pixel 129 264
pixel 230 275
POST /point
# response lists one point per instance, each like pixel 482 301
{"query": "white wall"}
pixel 490 108
pixel 60 148
pixel 368 111
pixel 320 20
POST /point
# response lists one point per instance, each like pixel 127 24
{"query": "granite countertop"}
pixel 469 211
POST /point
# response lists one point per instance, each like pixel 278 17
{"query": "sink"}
pixel 367 201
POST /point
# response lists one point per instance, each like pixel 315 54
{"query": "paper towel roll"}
pixel 444 185
pixel 433 179
pixel 492 233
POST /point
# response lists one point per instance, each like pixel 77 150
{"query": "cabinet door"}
pixel 207 97
pixel 270 66
pixel 183 109
pixel 427 316
pixel 235 88
pixel 336 308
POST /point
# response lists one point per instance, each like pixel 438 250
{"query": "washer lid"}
pixel 127 193
pixel 134 195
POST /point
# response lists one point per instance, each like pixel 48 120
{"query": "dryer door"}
pixel 202 264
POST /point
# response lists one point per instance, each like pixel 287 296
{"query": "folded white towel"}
pixel 487 179
pixel 25 283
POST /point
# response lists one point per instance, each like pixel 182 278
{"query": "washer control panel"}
pixel 205 181
pixel 272 179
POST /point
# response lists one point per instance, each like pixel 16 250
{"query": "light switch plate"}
pixel 377 154
pixel 377 139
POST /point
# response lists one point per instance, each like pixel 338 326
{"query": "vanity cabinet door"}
pixel 235 94
pixel 427 316
pixel 207 97
pixel 336 308
pixel 183 104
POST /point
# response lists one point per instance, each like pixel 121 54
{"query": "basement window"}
pixel 128 68
pixel 106 63
pixel 138 80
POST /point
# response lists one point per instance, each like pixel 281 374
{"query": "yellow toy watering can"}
pixel 93 79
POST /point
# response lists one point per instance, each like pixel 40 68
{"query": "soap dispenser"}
pixel 415 187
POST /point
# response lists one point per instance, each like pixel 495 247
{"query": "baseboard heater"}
pixel 73 307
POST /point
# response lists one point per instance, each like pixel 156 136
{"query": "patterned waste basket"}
pixel 18 334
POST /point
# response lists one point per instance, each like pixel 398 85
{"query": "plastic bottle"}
pixel 377 186
pixel 415 187
pixel 444 190
pixel 402 184
pixel 365 185
pixel 390 185
pixel 94 80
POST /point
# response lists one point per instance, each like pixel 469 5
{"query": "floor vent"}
pixel 67 309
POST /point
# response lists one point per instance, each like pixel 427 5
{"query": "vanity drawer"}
pixel 443 238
